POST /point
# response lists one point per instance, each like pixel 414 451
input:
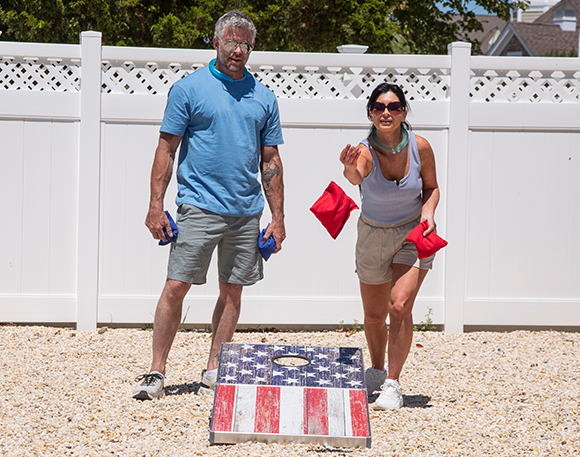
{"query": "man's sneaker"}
pixel 374 379
pixel 391 396
pixel 151 387
pixel 207 384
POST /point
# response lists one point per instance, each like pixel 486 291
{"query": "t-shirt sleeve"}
pixel 271 134
pixel 177 112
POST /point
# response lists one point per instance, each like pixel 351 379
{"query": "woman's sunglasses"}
pixel 393 107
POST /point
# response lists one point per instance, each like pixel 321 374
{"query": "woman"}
pixel 396 172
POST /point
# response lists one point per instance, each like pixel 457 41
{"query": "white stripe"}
pixel 245 408
pixel 347 413
pixel 336 416
pixel 291 411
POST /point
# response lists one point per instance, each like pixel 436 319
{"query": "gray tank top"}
pixel 390 202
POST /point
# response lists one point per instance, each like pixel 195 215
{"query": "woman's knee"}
pixel 399 308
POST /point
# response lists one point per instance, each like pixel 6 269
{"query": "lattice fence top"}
pixel 520 86
pixel 295 81
pixel 352 82
pixel 285 81
pixel 36 74
pixel 148 78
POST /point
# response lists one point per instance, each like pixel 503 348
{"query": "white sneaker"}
pixel 391 396
pixel 374 379
pixel 151 387
pixel 207 384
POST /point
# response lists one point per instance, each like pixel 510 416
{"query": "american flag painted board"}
pixel 259 397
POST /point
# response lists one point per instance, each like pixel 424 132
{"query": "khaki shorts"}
pixel 199 232
pixel 379 246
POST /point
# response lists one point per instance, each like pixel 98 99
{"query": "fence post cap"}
pixel 458 45
pixel 90 34
pixel 352 49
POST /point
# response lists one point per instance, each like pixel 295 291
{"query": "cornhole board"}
pixel 290 394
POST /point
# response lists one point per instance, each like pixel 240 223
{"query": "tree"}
pixel 427 28
pixel 386 26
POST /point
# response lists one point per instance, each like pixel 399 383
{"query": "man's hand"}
pixel 156 221
pixel 276 230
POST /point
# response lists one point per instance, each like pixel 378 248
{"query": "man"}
pixel 229 129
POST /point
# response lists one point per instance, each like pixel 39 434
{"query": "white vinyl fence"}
pixel 79 125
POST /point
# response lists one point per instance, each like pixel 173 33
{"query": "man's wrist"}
pixel 278 217
pixel 155 206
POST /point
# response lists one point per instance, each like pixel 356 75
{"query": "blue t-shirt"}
pixel 223 123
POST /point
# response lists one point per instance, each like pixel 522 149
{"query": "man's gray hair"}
pixel 234 20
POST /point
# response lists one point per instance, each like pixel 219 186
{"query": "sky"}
pixel 476 9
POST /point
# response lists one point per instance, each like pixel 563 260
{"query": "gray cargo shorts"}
pixel 199 232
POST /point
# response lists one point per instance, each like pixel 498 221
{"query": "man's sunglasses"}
pixel 393 107
pixel 231 46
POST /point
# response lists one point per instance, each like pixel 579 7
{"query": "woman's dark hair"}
pixel 383 88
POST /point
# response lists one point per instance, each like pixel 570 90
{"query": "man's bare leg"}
pixel 224 320
pixel 167 319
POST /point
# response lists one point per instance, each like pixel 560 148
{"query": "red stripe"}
pixel 317 416
pixel 267 417
pixel 223 412
pixel 262 416
pixel 358 413
pixel 275 417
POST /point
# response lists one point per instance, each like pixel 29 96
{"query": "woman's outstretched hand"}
pixel 349 155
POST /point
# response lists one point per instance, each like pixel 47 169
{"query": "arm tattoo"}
pixel 272 171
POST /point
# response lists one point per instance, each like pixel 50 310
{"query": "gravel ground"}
pixel 68 392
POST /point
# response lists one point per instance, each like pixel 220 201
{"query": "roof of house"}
pixel 541 37
pixel 492 27
pixel 544 39
pixel 548 16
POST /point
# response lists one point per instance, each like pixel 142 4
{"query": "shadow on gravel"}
pixel 182 389
pixel 416 401
pixel 341 452
pixel 409 401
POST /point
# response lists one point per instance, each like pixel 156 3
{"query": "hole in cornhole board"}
pixel 291 360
